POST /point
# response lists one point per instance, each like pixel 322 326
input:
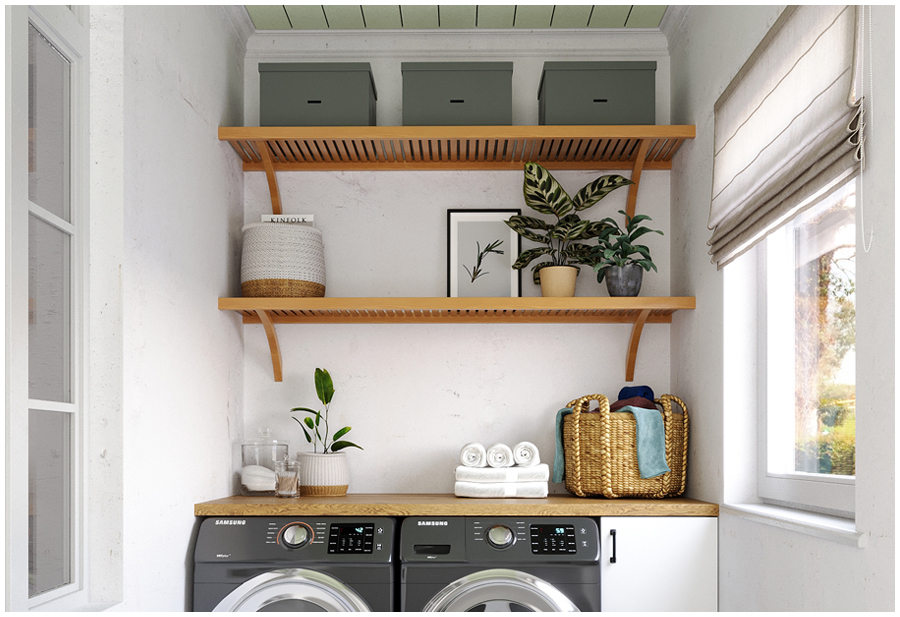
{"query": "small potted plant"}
pixel 617 258
pixel 325 473
pixel 561 239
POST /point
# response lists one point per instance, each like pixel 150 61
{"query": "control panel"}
pixel 352 538
pixel 555 539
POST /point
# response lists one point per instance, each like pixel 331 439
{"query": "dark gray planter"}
pixel 624 280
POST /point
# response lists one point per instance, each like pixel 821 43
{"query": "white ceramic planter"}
pixel 323 475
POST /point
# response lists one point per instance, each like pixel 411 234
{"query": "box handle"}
pixel 457 100
pixel 313 102
pixel 601 100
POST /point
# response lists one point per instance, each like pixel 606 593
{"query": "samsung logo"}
pixel 230 521
pixel 433 523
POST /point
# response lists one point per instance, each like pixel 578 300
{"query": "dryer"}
pixel 463 564
pixel 295 564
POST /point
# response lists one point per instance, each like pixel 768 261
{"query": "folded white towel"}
pixel 473 455
pixel 526 454
pixel 535 490
pixel 500 455
pixel 538 473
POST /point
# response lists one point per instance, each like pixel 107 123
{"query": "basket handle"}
pixel 579 406
pixel 666 401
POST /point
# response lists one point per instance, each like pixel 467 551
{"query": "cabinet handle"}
pixel 612 559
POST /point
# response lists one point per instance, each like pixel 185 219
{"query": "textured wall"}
pixel 183 204
pixel 762 567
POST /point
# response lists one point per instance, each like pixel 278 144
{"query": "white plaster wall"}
pixel 415 394
pixel 183 375
pixel 762 567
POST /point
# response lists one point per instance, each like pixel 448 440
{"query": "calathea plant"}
pixel 311 424
pixel 616 247
pixel 562 239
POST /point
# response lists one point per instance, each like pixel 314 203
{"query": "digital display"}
pixel 553 539
pixel 350 538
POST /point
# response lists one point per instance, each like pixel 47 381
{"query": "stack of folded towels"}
pixel 501 471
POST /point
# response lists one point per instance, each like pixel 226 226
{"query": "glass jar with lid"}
pixel 258 458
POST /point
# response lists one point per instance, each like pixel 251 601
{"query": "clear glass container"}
pixel 258 458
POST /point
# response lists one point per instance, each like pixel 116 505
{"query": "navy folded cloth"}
pixel 632 391
pixel 634 401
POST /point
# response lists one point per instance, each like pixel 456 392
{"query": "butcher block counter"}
pixel 360 504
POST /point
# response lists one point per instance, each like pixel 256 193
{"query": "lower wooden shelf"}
pixel 636 311
pixel 359 504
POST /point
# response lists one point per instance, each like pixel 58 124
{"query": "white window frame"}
pixel 822 493
pixel 67 29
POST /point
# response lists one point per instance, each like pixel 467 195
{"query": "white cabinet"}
pixel 666 563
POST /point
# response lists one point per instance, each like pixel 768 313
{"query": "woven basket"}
pixel 282 260
pixel 601 451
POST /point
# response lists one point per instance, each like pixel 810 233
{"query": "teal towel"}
pixel 650 433
pixel 559 459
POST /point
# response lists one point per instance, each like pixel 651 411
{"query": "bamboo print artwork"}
pixel 476 272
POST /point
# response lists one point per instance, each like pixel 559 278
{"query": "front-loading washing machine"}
pixel 458 564
pixel 301 564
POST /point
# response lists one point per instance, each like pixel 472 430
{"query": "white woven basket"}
pixel 282 260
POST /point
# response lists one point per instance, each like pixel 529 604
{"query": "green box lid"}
pixel 625 65
pixel 319 67
pixel 456 66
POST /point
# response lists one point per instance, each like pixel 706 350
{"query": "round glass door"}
pixel 293 590
pixel 500 590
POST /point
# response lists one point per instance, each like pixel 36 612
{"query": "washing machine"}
pixel 271 564
pixel 458 564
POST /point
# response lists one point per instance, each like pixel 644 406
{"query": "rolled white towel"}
pixel 473 455
pixel 537 473
pixel 500 455
pixel 526 454
pixel 534 490
pixel 258 478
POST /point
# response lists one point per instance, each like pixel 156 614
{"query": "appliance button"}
pixel 500 536
pixel 296 536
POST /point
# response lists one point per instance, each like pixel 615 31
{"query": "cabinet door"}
pixel 661 563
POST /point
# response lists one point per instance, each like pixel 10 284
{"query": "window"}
pixel 46 316
pixel 808 376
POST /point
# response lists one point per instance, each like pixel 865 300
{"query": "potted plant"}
pixel 562 238
pixel 325 473
pixel 618 258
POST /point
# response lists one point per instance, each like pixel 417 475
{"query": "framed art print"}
pixel 481 249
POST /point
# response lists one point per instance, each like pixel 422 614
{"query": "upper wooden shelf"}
pixel 635 311
pixel 406 148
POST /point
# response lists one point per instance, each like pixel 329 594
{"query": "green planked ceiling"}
pixel 452 16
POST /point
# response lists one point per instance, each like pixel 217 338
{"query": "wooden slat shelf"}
pixel 356 504
pixel 408 148
pixel 636 311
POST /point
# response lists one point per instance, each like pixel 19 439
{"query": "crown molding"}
pixel 240 21
pixel 673 22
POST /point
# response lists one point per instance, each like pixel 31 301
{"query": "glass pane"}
pixel 825 338
pixel 48 126
pixel 49 301
pixel 49 502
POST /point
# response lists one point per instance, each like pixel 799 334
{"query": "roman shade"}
pixel 788 129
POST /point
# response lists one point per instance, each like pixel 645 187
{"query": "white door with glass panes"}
pixel 658 563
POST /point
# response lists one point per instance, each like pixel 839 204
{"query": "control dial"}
pixel 500 536
pixel 296 535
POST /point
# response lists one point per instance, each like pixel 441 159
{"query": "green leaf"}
pixel 340 445
pixel 341 433
pixel 526 233
pixel 309 422
pixel 306 434
pixel 637 233
pixel 306 409
pixel 570 231
pixel 597 190
pixel 526 257
pixel 600 269
pixel 324 386
pixel 318 418
pixel 517 221
pixel 543 193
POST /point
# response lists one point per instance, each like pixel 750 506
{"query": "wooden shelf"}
pixel 356 504
pixel 636 311
pixel 406 148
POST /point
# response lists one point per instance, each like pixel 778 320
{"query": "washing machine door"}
pixel 500 590
pixel 295 590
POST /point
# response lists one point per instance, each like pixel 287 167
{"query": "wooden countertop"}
pixel 360 504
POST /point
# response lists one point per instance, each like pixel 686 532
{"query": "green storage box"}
pixel 316 94
pixel 457 93
pixel 597 93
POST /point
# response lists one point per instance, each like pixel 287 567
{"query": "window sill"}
pixel 821 526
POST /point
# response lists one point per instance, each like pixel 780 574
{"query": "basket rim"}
pixel 274 225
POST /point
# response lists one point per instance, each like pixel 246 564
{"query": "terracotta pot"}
pixel 558 281
pixel 323 475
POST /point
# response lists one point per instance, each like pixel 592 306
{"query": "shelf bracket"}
pixel 266 319
pixel 263 148
pixel 636 330
pixel 639 160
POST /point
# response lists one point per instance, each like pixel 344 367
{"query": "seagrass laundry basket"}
pixel 282 260
pixel 601 451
